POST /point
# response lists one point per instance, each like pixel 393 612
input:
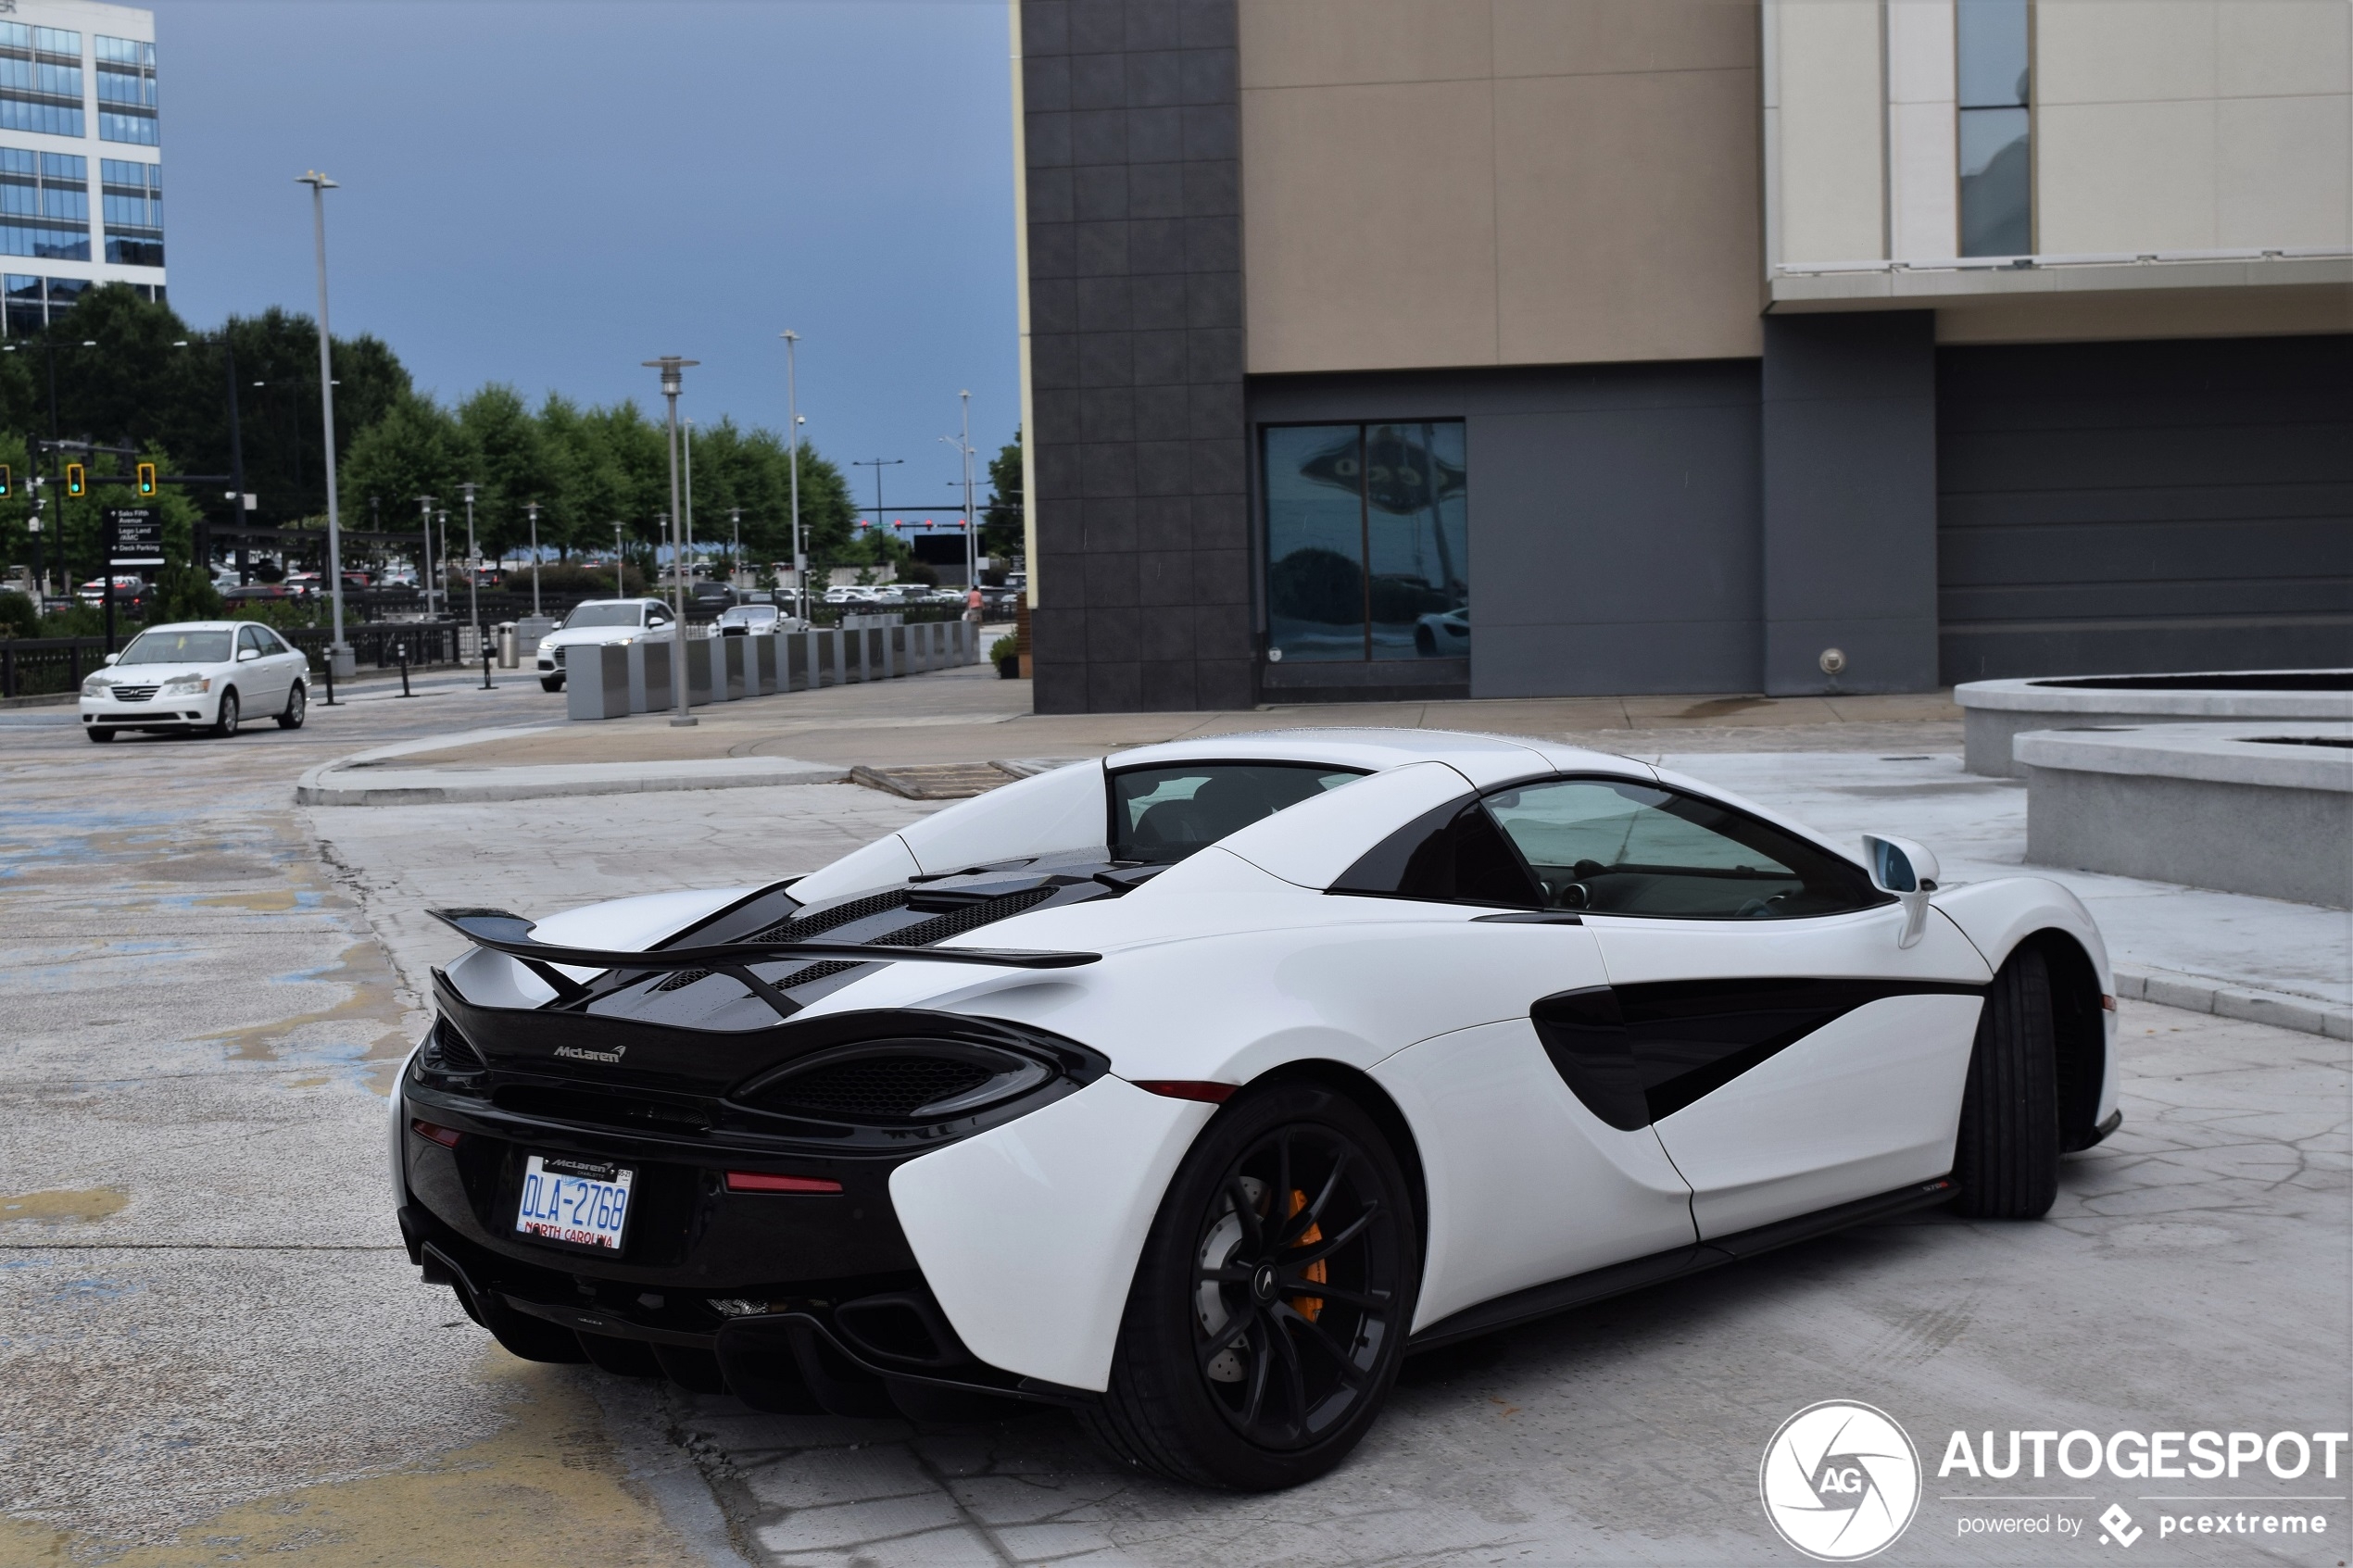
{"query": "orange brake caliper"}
pixel 1308 1307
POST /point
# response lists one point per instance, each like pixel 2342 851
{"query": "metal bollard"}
pixel 404 671
pixel 484 644
pixel 331 680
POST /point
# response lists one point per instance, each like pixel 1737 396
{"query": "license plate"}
pixel 578 1202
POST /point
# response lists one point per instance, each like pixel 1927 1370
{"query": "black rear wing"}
pixel 511 934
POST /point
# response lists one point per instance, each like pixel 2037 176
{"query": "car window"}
pixel 1618 847
pixel 602 615
pixel 657 615
pixel 1161 815
pixel 248 638
pixel 273 643
pixel 166 647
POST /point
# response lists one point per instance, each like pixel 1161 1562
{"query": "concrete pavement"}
pixel 213 1346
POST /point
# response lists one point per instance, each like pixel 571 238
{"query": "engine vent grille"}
pixel 801 927
pixel 894 1086
pixel 452 1052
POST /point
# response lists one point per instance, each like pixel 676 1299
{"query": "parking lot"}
pixel 215 1350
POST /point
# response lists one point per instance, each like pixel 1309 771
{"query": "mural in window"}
pixel 1368 542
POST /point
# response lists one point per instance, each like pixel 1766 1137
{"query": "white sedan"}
pixel 1194 1089
pixel 197 675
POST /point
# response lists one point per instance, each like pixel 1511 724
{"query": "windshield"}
pixel 606 614
pixel 750 612
pixel 165 647
pixel 1161 815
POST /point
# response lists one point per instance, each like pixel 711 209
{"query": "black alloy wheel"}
pixel 298 704
pixel 224 723
pixel 1271 1306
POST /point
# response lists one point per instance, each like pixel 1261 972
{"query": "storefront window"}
pixel 1368 542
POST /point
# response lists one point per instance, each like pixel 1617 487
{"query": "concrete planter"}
pixel 1997 711
pixel 2241 807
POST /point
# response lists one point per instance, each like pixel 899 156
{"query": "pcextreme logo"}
pixel 1840 1481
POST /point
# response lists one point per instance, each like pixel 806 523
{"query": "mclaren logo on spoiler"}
pixel 576 1054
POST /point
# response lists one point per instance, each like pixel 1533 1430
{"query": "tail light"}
pixel 445 1136
pixel 763 1180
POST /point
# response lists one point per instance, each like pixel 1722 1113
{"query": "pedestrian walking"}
pixel 972 606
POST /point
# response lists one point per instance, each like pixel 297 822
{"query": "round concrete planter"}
pixel 1995 712
pixel 2265 809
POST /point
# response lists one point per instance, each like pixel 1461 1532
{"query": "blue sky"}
pixel 545 193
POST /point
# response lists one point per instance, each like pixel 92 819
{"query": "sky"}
pixel 548 193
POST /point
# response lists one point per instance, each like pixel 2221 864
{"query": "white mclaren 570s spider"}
pixel 1195 1088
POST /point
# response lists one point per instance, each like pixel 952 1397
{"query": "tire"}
pixel 555 685
pixel 2006 1158
pixel 298 708
pixel 1228 1372
pixel 224 721
pixel 623 1358
pixel 99 735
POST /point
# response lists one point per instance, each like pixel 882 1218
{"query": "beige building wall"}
pixel 1453 183
pixel 2193 125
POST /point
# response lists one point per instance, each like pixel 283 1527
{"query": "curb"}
pixel 361 780
pixel 2306 1015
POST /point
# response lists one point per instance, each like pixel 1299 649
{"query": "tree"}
pixel 415 449
pixel 501 449
pixel 1003 528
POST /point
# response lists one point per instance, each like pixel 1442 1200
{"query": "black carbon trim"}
pixel 1637 1273
pixel 1637 1054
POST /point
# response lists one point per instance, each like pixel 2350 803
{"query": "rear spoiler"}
pixel 511 934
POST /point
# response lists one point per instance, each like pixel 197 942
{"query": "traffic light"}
pixel 8 483
pixel 146 479
pixel 76 483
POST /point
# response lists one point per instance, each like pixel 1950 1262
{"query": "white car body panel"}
pixel 1996 916
pixel 1311 844
pixel 262 684
pixel 1867 1103
pixel 1028 1234
pixel 886 862
pixel 1525 1185
pixel 1060 812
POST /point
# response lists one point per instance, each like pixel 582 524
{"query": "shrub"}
pixel 1004 647
pixel 19 616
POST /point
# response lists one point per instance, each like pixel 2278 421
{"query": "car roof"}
pixel 198 626
pixel 1483 758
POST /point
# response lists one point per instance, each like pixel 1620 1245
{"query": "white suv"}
pixel 594 623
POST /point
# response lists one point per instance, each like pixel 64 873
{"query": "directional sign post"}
pixel 133 537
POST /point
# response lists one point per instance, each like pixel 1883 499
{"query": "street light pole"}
pixel 424 531
pixel 792 449
pixel 620 564
pixel 533 508
pixel 877 464
pixel 338 652
pixel 687 520
pixel 473 566
pixel 670 365
pixel 735 544
pixel 972 546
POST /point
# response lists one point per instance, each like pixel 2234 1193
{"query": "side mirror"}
pixel 112 657
pixel 1907 870
pixel 243 654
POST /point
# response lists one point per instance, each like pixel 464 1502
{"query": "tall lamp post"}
pixel 963 445
pixel 686 521
pixel 338 652
pixel 735 544
pixel 473 567
pixel 792 450
pixel 424 531
pixel 620 565
pixel 671 366
pixel 533 508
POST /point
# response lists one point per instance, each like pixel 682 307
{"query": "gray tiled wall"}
pixel 1133 127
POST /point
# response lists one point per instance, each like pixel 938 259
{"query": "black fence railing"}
pixel 40 666
pixel 382 645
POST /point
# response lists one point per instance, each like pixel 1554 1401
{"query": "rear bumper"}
pixel 846 1353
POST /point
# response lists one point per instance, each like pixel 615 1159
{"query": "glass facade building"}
pixel 81 178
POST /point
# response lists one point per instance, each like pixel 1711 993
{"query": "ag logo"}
pixel 1840 1481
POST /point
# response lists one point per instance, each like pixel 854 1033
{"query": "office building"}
pixel 80 165
pixel 1385 348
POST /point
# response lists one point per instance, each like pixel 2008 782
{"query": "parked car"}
pixel 1191 1088
pixel 253 591
pixel 594 623
pixel 128 589
pixel 197 675
pixel 742 621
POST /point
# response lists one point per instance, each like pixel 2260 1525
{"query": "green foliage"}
pixel 1005 646
pixel 19 615
pixel 1001 530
